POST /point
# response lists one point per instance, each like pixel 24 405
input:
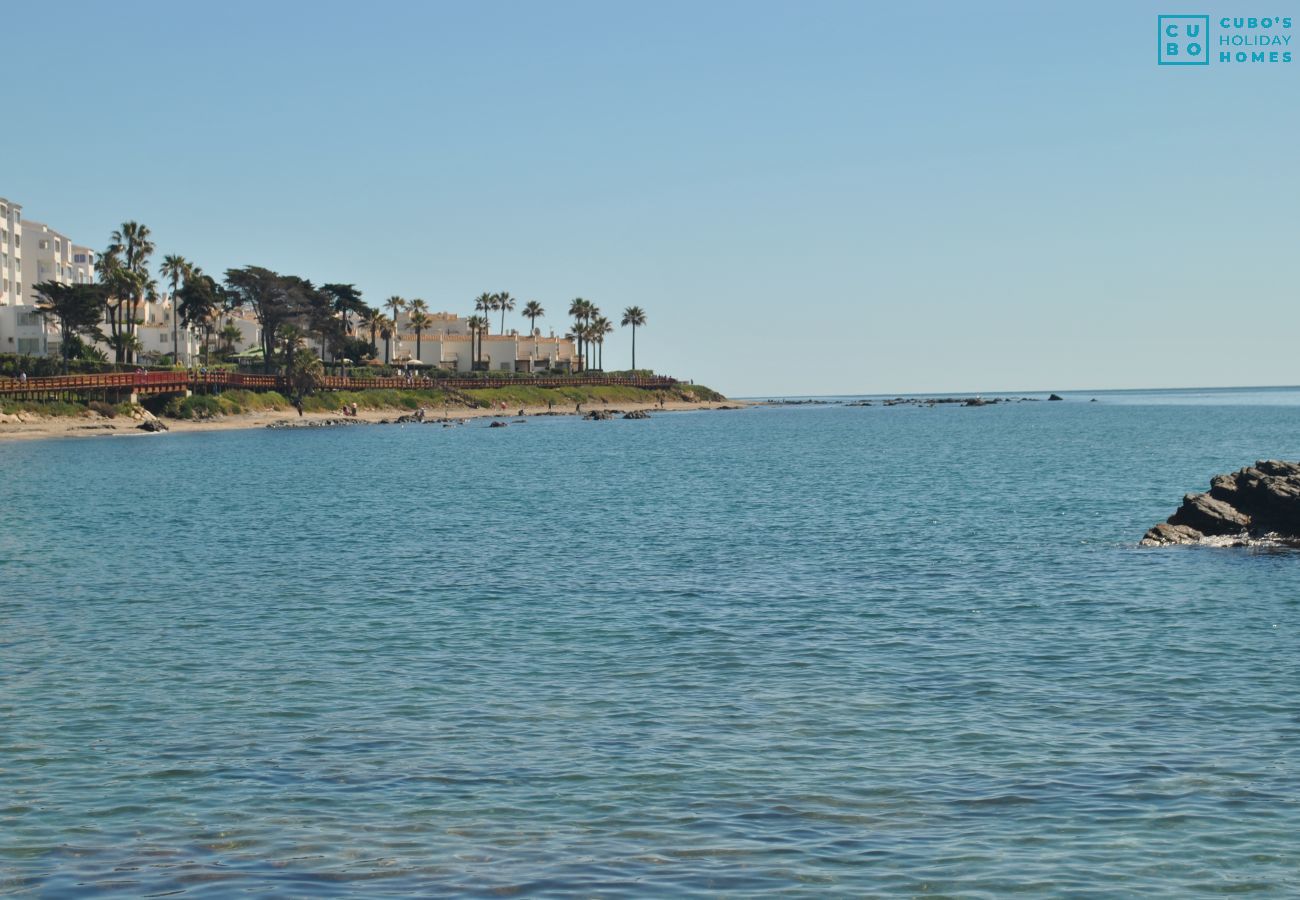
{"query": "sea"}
pixel 804 650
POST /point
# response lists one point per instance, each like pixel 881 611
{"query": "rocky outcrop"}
pixel 499 424
pixel 1259 502
pixel 1056 397
pixel 598 415
pixel 637 414
pixel 152 425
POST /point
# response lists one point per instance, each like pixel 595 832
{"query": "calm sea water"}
pixel 800 651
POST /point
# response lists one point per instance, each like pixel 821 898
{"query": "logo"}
pixel 1183 40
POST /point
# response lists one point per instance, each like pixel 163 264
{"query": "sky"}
pixel 806 198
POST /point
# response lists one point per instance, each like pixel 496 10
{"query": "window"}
pixel 163 338
pixel 43 245
pixel 29 346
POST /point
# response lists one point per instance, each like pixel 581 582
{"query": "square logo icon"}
pixel 1183 40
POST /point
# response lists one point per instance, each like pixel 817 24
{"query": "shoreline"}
pixel 28 426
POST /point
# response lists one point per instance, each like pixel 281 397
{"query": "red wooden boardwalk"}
pixel 178 382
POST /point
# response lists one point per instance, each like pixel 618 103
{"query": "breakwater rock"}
pixel 1257 503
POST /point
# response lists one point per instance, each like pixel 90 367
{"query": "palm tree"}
pixel 230 335
pixel 132 245
pixel 177 269
pixel 484 303
pixel 478 325
pixel 418 305
pixel 634 316
pixel 372 319
pixel 420 320
pixel 600 327
pixel 576 309
pixel 293 338
pixel 533 311
pixel 395 305
pixel 505 303
pixel 387 328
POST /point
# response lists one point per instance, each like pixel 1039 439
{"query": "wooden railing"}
pixel 176 382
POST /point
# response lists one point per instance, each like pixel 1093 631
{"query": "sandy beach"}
pixel 28 426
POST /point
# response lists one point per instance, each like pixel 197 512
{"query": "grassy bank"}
pixel 235 402
pixel 64 408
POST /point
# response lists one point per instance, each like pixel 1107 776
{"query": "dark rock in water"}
pixel 499 425
pixel 1164 533
pixel 637 414
pixel 1209 516
pixel 152 425
pixel 1056 397
pixel 598 415
pixel 1259 502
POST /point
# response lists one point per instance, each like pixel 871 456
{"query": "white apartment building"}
pixel 47 256
pixel 83 265
pixel 11 253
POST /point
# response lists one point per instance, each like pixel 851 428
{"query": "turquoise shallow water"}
pixel 798 651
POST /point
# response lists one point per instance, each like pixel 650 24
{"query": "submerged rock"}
pixel 1056 397
pixel 1257 503
pixel 499 425
pixel 637 414
pixel 598 415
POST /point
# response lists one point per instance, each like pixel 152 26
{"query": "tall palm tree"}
pixel 505 303
pixel 372 318
pixel 420 320
pixel 418 305
pixel 484 303
pixel 131 243
pixel 176 269
pixel 478 326
pixel 600 327
pixel 533 311
pixel 395 305
pixel 634 316
pixel 577 309
pixel 387 328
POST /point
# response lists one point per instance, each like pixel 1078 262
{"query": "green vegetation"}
pixel 234 402
pixel 42 407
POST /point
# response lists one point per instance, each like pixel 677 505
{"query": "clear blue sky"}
pixel 805 197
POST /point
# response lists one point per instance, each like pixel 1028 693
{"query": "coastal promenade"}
pixel 180 382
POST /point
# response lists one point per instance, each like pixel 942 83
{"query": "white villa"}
pixel 447 344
